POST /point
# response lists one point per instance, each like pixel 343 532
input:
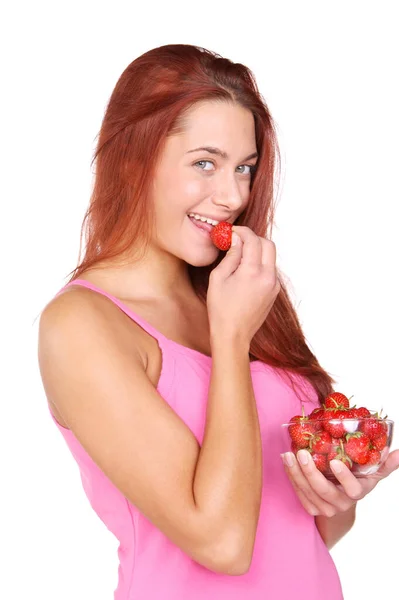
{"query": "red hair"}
pixel 147 105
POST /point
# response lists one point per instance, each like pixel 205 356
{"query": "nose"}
pixel 227 193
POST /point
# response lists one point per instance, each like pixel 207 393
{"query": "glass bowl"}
pixel 362 444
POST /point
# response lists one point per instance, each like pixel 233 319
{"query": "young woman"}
pixel 169 366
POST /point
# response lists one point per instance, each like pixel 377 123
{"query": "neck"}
pixel 157 275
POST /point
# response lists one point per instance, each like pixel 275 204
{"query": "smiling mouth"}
pixel 202 225
pixel 200 218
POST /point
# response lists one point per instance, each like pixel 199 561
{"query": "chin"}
pixel 202 260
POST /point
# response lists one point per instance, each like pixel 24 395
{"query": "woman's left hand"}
pixel 319 496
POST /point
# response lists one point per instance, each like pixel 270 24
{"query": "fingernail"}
pixel 336 466
pixel 303 456
pixel 288 459
pixel 234 239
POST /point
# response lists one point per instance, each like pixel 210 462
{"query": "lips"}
pixel 201 224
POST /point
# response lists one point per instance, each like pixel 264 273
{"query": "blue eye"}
pixel 250 169
pixel 204 162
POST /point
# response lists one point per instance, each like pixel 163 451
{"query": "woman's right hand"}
pixel 243 287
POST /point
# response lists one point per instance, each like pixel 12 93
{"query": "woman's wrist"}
pixel 229 341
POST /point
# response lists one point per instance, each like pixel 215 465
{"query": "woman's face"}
pixel 205 170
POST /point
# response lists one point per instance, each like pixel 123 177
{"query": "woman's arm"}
pixel 228 477
pixel 204 499
pixel 332 529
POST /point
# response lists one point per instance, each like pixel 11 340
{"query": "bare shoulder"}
pixel 78 315
pixel 71 306
pixel 74 306
pixel 78 323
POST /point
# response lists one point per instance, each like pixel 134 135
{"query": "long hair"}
pixel 147 105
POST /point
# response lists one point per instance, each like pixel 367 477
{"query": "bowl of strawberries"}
pixel 359 437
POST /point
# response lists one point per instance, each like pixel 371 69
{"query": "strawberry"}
pixel 301 430
pixel 334 453
pixel 321 442
pixel 221 235
pixel 380 441
pixel 320 461
pixel 351 413
pixel 294 448
pixel 336 430
pixel 358 447
pixel 301 433
pixel 337 453
pixel 318 414
pixel 361 413
pixel 336 400
pixel 372 428
pixel 374 457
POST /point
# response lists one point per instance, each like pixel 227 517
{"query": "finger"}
pixel 350 485
pixel 231 261
pixel 252 247
pixel 299 481
pixel 269 263
pixel 389 466
pixel 325 489
pixel 268 253
pixel 307 505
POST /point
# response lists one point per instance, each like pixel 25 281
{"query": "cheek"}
pixel 194 188
pixel 180 190
pixel 192 183
pixel 245 194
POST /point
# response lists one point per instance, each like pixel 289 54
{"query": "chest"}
pixel 186 326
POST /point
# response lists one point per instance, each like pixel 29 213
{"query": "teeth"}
pixel 203 219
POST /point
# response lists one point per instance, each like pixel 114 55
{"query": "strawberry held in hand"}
pixel 221 235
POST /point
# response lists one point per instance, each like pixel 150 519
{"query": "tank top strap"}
pixel 139 320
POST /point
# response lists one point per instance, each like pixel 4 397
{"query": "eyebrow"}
pixel 212 150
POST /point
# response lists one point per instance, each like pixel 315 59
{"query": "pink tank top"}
pixel 290 560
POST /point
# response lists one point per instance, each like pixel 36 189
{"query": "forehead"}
pixel 215 123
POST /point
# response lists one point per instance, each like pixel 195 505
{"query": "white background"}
pixel 328 71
